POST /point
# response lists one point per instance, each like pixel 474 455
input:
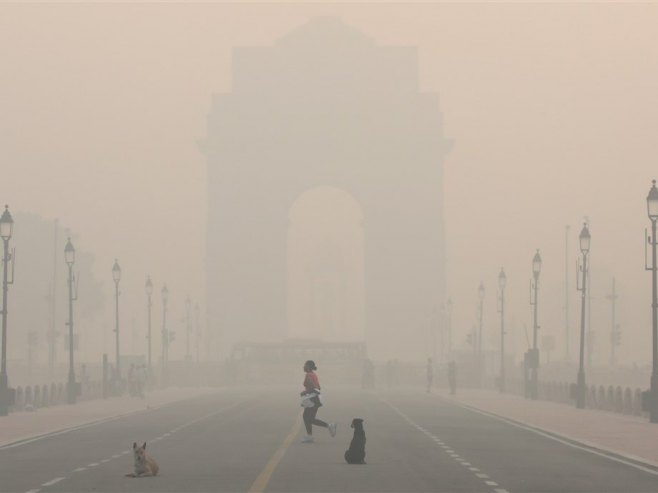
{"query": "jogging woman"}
pixel 311 403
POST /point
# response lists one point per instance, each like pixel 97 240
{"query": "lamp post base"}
pixel 653 396
pixel 580 390
pixel 5 398
pixel 534 385
pixel 71 390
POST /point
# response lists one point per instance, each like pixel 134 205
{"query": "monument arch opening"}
pixel 326 299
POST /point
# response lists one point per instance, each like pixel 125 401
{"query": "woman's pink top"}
pixel 311 382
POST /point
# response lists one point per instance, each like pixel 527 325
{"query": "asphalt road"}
pixel 241 441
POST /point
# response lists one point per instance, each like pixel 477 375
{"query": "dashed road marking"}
pixel 125 452
pixel 447 449
pixel 52 482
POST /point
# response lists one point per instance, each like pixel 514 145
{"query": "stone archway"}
pixel 325 105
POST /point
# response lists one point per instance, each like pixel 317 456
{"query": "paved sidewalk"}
pixel 26 425
pixel 630 436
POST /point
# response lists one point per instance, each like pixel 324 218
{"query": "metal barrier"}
pixel 620 400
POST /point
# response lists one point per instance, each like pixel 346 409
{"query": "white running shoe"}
pixel 332 429
pixel 307 439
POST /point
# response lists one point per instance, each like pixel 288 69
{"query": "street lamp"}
pixel 116 275
pixel 149 303
pixel 585 240
pixel 69 258
pixel 479 341
pixel 449 314
pixel 6 231
pixel 197 312
pixel 188 327
pixel 652 211
pixel 534 356
pixel 165 336
pixel 502 282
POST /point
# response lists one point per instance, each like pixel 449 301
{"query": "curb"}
pixel 632 460
pixel 33 438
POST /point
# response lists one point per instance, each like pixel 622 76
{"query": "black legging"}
pixel 310 419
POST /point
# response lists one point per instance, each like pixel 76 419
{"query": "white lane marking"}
pixel 501 490
pixel 53 481
pixel 566 440
pixel 124 452
pixel 445 447
pixel 100 421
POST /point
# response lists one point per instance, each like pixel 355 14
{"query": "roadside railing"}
pixel 621 400
pixel 32 397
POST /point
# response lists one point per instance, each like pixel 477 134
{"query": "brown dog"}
pixel 144 464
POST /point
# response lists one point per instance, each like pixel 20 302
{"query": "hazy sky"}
pixel 553 109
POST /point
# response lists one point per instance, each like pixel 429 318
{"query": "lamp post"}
pixel 149 304
pixel 566 293
pixel 6 231
pixel 449 306
pixel 69 257
pixel 652 210
pixel 502 282
pixel 197 313
pixel 479 341
pixel 116 275
pixel 534 358
pixel 165 336
pixel 585 240
pixel 188 326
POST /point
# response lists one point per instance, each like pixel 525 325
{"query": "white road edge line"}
pixel 448 450
pixel 33 491
pixel 559 440
pixel 79 469
pixel 53 481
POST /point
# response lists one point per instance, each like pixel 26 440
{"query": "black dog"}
pixel 356 454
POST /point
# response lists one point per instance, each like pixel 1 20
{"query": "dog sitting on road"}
pixel 356 454
pixel 144 464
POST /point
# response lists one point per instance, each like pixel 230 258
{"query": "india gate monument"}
pixel 325 218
